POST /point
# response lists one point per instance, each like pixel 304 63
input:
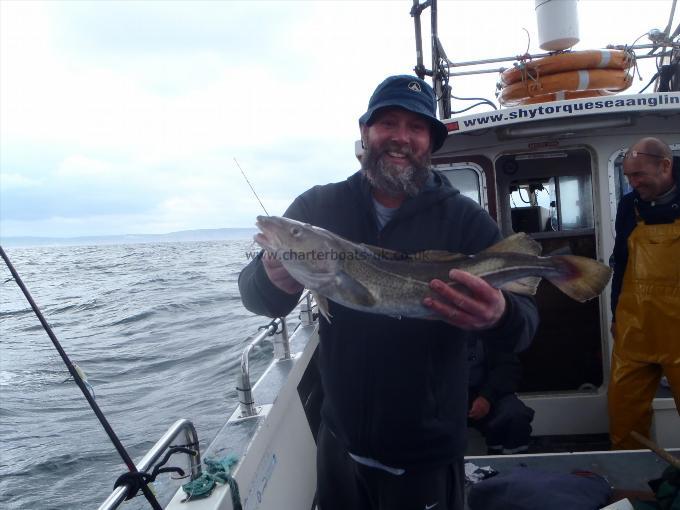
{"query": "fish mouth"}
pixel 267 238
pixel 281 233
pixel 264 242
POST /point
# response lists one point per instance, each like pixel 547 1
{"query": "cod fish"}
pixel 378 280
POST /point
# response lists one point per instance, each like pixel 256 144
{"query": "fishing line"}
pixel 251 187
pixel 83 387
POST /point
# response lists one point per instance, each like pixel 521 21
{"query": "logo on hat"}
pixel 415 86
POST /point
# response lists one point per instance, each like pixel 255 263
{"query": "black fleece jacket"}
pixel 395 390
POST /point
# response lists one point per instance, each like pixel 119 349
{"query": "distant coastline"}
pixel 213 234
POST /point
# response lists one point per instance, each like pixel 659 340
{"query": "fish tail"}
pixel 580 278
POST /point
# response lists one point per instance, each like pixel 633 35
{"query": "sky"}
pixel 126 117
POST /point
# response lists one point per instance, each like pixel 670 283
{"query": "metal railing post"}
pixel 244 387
pixel 306 315
pixel 285 339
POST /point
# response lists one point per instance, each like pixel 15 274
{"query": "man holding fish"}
pixel 395 386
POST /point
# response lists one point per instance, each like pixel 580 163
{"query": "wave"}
pixel 159 330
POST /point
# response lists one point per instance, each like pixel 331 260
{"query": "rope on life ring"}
pixel 562 96
pixel 567 61
pixel 608 80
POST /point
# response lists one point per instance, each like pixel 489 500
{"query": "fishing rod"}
pixel 251 187
pixel 135 479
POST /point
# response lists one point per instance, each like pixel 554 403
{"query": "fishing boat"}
pixel 550 167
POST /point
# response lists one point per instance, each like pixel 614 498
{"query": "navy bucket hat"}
pixel 412 94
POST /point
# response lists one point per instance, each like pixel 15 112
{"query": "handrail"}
pixel 246 401
pixel 191 438
pixel 243 386
pixel 306 314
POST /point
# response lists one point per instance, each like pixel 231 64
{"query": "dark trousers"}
pixel 344 484
pixel 507 427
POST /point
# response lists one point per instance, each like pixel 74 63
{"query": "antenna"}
pixel 251 187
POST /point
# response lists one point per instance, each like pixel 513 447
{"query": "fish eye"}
pixel 295 232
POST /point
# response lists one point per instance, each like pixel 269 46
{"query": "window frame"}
pixel 477 169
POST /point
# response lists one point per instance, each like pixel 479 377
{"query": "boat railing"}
pixel 120 493
pixel 244 387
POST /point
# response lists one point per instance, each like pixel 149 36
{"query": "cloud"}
pixel 125 117
pixel 147 121
pixel 12 181
pixel 84 167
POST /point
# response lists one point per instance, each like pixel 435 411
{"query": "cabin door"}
pixel 550 196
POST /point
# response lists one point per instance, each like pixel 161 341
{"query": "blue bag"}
pixel 525 488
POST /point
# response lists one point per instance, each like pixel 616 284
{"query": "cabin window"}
pixel 552 204
pixel 621 186
pixel 468 178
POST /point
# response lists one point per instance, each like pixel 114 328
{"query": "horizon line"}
pixel 89 236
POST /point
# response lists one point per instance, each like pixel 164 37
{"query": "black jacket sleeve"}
pixel 518 324
pixel 259 295
pixel 503 373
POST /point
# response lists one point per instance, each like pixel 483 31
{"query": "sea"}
pixel 158 329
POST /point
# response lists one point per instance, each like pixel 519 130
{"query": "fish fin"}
pixel 353 291
pixel 520 242
pixel 580 278
pixel 525 286
pixel 322 303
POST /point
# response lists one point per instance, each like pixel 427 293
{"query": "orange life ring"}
pixel 566 94
pixel 568 61
pixel 614 80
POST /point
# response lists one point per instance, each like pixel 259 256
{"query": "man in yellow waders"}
pixel 645 291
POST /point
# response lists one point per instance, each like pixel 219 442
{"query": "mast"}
pixel 439 71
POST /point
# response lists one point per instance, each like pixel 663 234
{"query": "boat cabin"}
pixel 559 179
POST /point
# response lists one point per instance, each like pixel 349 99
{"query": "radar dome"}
pixel 557 24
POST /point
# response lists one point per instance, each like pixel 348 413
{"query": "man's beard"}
pixel 392 179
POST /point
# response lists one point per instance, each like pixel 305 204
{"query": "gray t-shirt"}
pixel 385 214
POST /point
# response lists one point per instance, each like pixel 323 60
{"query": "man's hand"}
pixel 480 408
pixel 472 304
pixel 278 274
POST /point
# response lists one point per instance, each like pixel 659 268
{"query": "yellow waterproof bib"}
pixel 648 310
pixel 647 335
